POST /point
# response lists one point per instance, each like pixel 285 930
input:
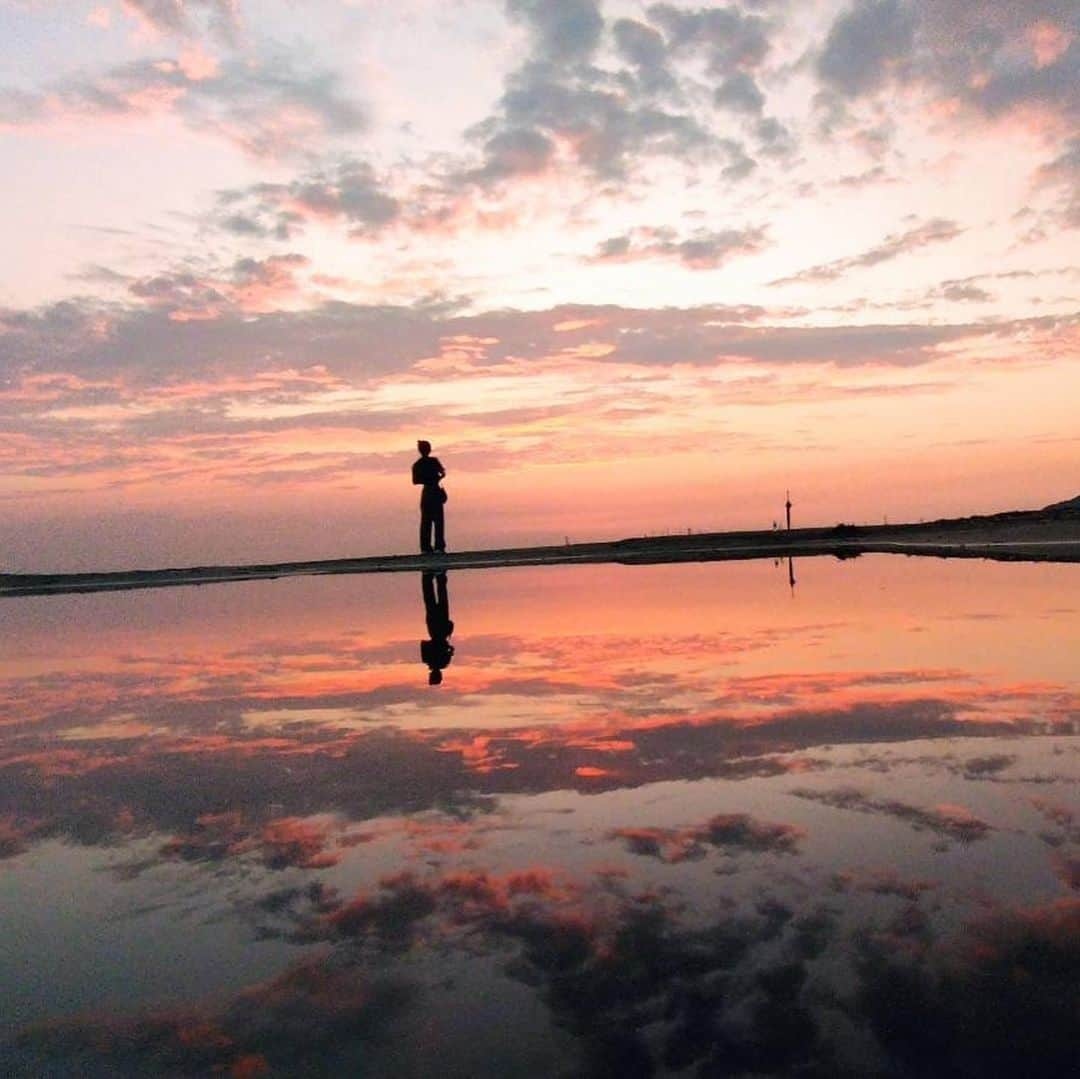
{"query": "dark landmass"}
pixel 1047 535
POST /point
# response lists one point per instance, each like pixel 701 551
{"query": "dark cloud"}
pixel 270 108
pixel 349 192
pixel 774 138
pixel 243 330
pixel 645 49
pixel 865 44
pixel 729 39
pixel 144 346
pixel 604 129
pixel 607 121
pixel 936 230
pixel 564 31
pixel 1012 54
pixel 1064 172
pixel 514 152
pixel 962 291
pixel 740 93
pixel 701 250
pixel 994 58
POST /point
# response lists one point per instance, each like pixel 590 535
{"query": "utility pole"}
pixel 787 506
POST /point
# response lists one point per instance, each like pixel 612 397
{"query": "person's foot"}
pixel 440 550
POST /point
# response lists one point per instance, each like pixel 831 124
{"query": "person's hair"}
pixel 424 447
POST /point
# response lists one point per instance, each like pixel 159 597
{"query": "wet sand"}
pixel 1051 535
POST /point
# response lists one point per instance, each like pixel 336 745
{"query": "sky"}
pixel 631 267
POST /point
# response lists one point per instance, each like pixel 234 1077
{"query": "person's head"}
pixel 424 447
pixel 434 677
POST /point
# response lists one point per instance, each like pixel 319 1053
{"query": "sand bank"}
pixel 1051 535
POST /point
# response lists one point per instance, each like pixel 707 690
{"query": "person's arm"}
pixel 441 470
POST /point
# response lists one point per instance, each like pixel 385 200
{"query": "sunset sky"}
pixel 631 268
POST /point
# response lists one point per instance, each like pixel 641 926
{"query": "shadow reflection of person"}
pixel 438 651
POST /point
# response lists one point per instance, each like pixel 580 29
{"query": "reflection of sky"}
pixel 676 800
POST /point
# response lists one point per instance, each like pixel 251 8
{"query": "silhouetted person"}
pixel 426 473
pixel 438 651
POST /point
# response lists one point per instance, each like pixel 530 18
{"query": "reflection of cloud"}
pixel 280 843
pixel 882 882
pixel 999 1001
pixel 310 726
pixel 951 821
pixel 300 1022
pixel 750 987
pixel 729 832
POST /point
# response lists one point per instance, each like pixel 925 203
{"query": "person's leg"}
pixel 439 520
pixel 425 529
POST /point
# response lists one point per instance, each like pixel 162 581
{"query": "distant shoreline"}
pixel 1048 535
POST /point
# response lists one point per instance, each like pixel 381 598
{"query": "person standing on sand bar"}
pixel 426 472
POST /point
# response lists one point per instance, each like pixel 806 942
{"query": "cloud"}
pixel 348 192
pixel 1064 172
pixel 864 46
pixel 511 153
pixel 602 129
pixel 214 329
pixel 701 250
pixel 270 108
pixel 961 291
pixel 143 344
pixel 936 230
pixel 992 59
pixel 564 31
pixel 183 17
pixel 645 49
pixel 727 38
pixel 740 93
pixel 560 101
pixel 251 285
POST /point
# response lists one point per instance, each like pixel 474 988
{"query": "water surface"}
pixel 654 820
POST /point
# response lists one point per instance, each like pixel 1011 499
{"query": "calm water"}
pixel 671 820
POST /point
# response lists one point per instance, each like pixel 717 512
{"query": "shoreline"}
pixel 1051 535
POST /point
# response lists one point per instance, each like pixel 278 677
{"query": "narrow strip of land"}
pixel 1036 536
